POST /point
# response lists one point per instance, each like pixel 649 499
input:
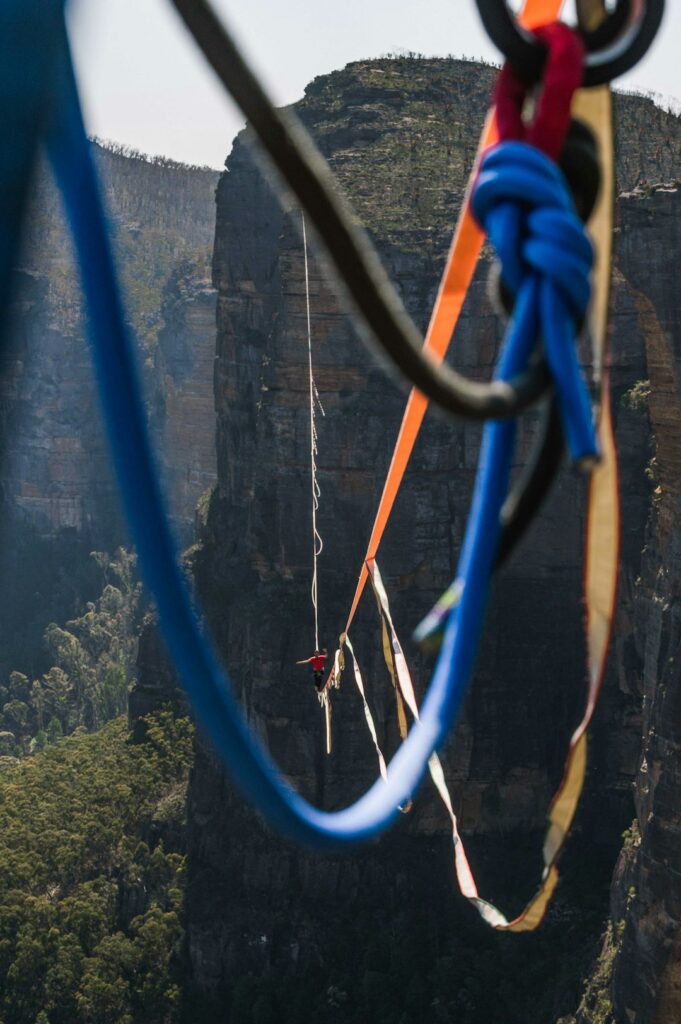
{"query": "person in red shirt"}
pixel 317 661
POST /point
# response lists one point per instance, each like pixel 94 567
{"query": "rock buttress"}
pixel 399 134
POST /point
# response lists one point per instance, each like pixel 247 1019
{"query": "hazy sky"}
pixel 144 82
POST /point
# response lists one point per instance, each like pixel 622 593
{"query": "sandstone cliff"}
pixel 162 220
pixel 380 932
pixel 58 495
pixel 643 946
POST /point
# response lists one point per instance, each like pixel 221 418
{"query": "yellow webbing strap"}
pixel 393 655
pixel 464 874
pixel 401 669
pixel 594 107
pixel 601 565
pixel 326 703
pixel 367 712
pixel 388 657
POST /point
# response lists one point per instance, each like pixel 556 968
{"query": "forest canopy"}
pixel 90 885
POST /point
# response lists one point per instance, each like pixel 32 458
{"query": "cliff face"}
pixel 184 417
pixel 162 214
pixel 646 897
pixel 56 484
pixel 399 134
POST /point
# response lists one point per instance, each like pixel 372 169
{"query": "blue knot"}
pixel 522 200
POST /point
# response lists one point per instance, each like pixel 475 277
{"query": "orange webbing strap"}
pixel 458 273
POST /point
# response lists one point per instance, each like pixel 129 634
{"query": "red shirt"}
pixel 317 662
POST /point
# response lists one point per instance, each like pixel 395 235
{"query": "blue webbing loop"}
pixel 523 201
pixel 206 685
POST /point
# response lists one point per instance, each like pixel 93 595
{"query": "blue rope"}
pixel 206 685
pixel 523 202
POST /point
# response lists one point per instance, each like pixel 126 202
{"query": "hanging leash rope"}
pixel 317 543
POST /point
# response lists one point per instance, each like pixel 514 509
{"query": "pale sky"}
pixel 144 82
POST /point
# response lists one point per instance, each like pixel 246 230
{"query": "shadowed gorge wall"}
pixel 646 897
pixel 55 466
pixel 57 492
pixel 329 938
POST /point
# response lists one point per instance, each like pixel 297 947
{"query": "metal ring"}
pixel 615 47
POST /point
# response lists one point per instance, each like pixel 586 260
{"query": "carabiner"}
pixel 612 49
